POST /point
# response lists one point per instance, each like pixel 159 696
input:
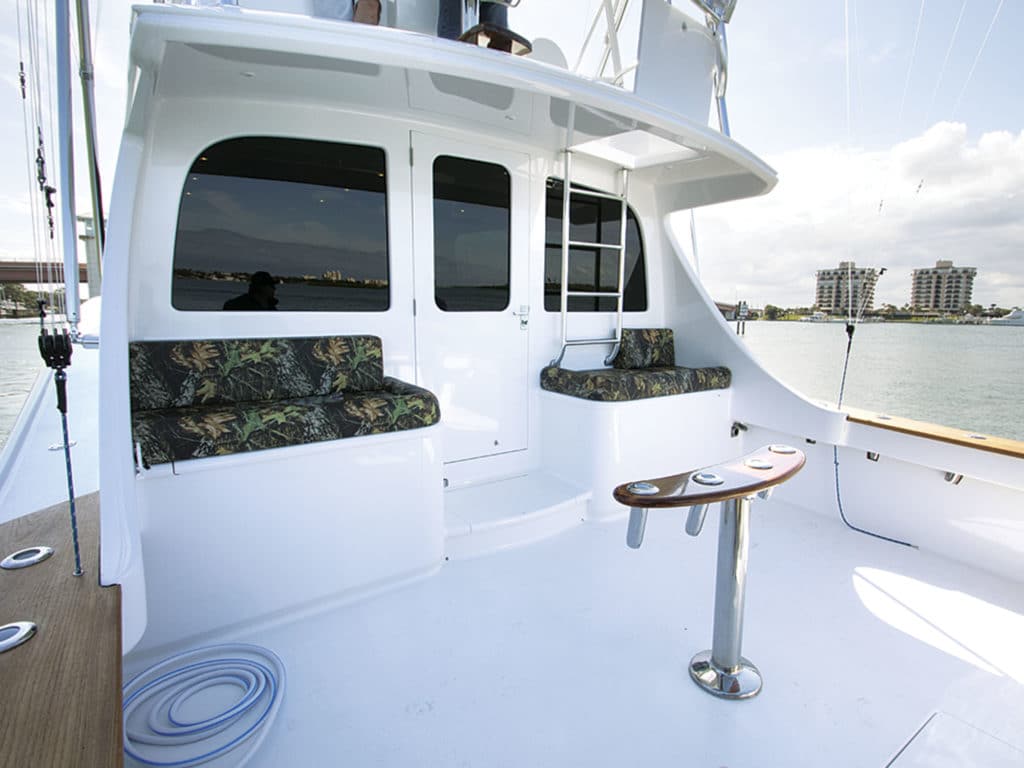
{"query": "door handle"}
pixel 524 316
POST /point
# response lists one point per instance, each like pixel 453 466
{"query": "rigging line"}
pixel 858 76
pixel 977 58
pixel 849 118
pixel 868 295
pixel 35 140
pixel 842 513
pixel 849 304
pixel 835 455
pixel 45 254
pixel 910 66
pixel 945 60
pixel 33 57
pixel 21 55
pixel 846 31
pixel 31 178
pixel 55 265
pixel 850 328
pixel 903 98
pixel 27 137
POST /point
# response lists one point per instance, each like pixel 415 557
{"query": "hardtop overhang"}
pixel 227 53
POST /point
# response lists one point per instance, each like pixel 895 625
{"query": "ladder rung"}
pixel 607 294
pixel 584 342
pixel 584 244
pixel 591 193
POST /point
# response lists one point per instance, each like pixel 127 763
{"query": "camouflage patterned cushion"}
pixel 646 348
pixel 178 374
pixel 192 432
pixel 617 385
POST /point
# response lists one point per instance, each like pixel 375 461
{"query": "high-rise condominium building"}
pixel 834 288
pixel 942 288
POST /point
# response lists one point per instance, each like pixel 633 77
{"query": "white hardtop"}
pixel 227 52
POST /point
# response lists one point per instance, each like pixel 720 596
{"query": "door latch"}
pixel 524 316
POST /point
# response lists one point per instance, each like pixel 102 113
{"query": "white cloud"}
pixel 942 197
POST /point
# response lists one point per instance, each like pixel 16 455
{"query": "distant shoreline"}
pixel 872 321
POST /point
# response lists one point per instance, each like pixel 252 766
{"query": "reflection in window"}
pixel 471 235
pixel 592 220
pixel 310 215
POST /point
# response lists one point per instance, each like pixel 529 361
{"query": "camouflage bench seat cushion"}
pixel 617 384
pixel 644 348
pixel 192 399
pixel 645 366
pixel 197 431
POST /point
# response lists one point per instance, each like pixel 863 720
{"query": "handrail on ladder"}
pixel 568 189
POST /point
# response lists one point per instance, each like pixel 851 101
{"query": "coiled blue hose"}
pixel 157 730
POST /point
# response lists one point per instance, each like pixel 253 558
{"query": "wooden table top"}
pixel 60 692
pixel 738 477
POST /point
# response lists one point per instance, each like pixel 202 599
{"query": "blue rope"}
pixel 60 375
pixel 850 327
pixel 171 689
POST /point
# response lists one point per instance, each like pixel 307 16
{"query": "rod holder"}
pixel 637 524
pixel 695 519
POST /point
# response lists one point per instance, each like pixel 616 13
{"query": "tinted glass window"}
pixel 285 224
pixel 592 220
pixel 471 235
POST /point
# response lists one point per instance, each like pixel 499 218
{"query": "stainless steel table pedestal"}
pixel 722 671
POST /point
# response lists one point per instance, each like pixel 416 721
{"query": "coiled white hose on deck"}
pixel 186 710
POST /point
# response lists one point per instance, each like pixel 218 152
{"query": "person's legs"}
pixel 367 11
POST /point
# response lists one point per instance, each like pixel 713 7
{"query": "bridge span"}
pixel 25 272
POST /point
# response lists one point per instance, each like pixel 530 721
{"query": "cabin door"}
pixel 471 234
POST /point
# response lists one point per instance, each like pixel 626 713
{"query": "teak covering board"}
pixel 60 692
pixel 964 437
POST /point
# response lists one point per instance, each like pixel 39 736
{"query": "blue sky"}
pixel 788 73
pixel 913 119
pixel 919 118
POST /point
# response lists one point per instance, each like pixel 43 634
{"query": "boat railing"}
pixel 678 62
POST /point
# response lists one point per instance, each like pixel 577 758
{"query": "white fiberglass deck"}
pixel 33 474
pixel 573 651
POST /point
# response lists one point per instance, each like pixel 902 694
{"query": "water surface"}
pixel 19 351
pixel 966 376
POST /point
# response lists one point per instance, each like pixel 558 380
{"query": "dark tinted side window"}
pixel 300 223
pixel 592 220
pixel 472 224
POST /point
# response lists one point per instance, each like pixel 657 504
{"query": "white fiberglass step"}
pixel 506 513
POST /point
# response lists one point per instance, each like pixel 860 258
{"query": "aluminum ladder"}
pixel 568 191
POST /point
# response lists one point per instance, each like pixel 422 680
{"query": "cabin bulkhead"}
pixel 334 296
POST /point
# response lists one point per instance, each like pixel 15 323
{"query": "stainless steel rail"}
pixel 721 671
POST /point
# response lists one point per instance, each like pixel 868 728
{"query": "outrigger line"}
pixel 851 326
pixel 45 188
pixel 56 351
